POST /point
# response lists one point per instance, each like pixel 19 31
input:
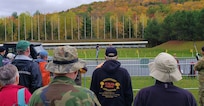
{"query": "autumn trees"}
pixel 181 25
pixel 153 20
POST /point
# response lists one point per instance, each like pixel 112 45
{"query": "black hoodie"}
pixel 112 84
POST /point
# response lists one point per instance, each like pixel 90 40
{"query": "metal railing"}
pixel 139 67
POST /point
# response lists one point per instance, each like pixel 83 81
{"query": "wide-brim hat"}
pixel 65 60
pixel 165 68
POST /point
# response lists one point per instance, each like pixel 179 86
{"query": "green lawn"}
pixel 189 83
pixel 132 53
pixel 181 48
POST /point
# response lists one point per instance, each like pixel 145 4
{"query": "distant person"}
pixel 110 45
pixel 2 53
pixel 97 51
pixel 42 62
pixel 62 90
pixel 9 77
pixel 79 75
pixel 199 66
pixel 164 93
pixel 29 70
pixel 198 55
pixel 179 67
pixel 9 58
pixel 99 65
pixel 111 83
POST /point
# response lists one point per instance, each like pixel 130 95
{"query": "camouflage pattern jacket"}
pixel 199 66
pixel 62 91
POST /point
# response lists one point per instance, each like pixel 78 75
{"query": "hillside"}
pixel 152 8
pixel 99 21
pixel 180 45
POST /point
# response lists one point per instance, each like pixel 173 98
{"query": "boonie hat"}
pixel 2 48
pixel 165 68
pixel 22 45
pixel 65 60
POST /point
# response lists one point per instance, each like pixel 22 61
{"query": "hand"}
pixel 198 56
pixel 83 70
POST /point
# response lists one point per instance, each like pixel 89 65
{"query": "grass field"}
pixel 189 83
pixel 181 48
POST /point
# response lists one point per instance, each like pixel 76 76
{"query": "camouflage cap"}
pixel 65 60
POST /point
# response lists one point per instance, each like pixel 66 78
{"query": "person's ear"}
pixel 17 80
pixel 76 72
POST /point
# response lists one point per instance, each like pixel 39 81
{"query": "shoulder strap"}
pixel 21 98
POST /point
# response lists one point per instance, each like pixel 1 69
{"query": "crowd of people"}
pixel 24 81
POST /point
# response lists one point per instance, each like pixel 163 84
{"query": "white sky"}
pixel 7 7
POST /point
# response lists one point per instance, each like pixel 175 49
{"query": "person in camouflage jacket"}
pixel 62 90
pixel 199 66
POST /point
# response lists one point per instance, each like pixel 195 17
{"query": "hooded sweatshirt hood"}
pixel 111 66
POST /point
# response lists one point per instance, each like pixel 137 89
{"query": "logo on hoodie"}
pixel 110 86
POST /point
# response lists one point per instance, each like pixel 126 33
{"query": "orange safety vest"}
pixel 45 73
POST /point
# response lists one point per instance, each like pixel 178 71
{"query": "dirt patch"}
pixel 175 45
pixel 175 42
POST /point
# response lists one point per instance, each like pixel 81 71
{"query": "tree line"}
pixel 69 26
pixel 181 25
pixel 156 21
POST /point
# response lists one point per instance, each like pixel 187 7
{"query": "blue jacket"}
pixel 29 72
pixel 112 84
pixel 164 94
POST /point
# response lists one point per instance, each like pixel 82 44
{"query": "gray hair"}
pixel 8 74
pixel 111 58
pixel 20 52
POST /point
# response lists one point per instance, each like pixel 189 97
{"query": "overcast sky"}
pixel 7 7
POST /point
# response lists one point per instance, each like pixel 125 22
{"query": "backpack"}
pixel 21 97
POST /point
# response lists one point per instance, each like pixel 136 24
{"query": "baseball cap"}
pixel 43 53
pixel 22 45
pixel 10 55
pixel 111 53
pixel 2 48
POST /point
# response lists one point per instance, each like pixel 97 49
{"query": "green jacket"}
pixel 62 91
